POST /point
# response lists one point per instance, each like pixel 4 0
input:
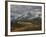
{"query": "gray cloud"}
pixel 18 10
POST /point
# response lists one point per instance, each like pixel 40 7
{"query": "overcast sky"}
pixel 18 10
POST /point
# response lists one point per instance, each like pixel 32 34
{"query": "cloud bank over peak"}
pixel 19 10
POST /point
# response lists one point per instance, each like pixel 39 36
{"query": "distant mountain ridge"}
pixel 27 16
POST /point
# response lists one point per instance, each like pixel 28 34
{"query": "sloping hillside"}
pixel 27 25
